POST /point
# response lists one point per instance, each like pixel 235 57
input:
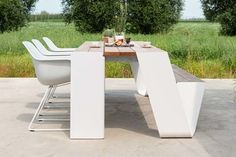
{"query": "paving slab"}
pixel 130 127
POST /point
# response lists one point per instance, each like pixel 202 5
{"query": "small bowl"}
pixel 147 45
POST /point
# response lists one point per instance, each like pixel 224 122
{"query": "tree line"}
pixel 223 11
pixel 46 17
pixel 133 16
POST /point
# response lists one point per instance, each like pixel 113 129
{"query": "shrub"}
pixel 144 16
pixel 14 14
pixel 223 11
pixel 213 8
pixel 91 16
pixel 152 16
pixel 228 22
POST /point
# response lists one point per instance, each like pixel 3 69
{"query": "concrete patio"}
pixel 130 127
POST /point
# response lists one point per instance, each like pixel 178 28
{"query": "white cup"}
pixel 95 44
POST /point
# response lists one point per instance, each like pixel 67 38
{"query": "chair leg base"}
pixel 57 120
pixel 37 114
pixel 47 130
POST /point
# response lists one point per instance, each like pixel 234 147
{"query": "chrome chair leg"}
pixel 56 114
pixel 49 105
pixel 58 119
pixel 54 117
pixel 53 92
pixel 53 88
pixel 39 109
pixel 56 106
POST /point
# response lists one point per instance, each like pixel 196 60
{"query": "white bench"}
pixel 175 95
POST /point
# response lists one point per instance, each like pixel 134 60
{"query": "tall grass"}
pixel 196 47
pixel 16 66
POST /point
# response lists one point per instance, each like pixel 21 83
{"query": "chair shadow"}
pixel 25 117
pixel 123 109
pixel 32 105
pixel 58 95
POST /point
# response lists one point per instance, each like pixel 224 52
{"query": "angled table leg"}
pixel 173 116
pixel 87 96
pixel 139 80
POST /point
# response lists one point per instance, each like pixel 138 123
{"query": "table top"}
pixel 114 51
pixel 119 51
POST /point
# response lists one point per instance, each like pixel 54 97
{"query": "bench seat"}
pixel 183 76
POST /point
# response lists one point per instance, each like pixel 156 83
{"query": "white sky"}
pixel 192 8
pixel 51 6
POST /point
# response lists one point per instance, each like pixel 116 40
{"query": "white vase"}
pixel 110 40
pixel 120 37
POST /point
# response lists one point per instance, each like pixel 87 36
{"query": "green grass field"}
pixel 195 46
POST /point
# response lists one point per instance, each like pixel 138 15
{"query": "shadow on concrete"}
pixel 26 117
pixel 32 105
pixel 130 111
pixel 127 110
pixel 58 95
pixel 216 129
pixel 123 110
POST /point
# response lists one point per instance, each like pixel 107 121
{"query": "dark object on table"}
pixel 123 45
pixel 127 40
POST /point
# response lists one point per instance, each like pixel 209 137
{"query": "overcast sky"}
pixel 192 8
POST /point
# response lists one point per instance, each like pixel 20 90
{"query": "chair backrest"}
pixel 48 72
pixel 36 57
pixel 50 44
pixel 34 52
pixel 40 47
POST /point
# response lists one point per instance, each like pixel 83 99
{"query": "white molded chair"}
pixel 45 52
pixel 50 71
pixel 53 47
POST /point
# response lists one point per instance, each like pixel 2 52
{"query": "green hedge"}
pixel 144 16
pixel 14 14
pixel 223 11
pixel 228 21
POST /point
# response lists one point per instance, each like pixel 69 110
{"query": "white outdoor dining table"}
pixel 175 105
